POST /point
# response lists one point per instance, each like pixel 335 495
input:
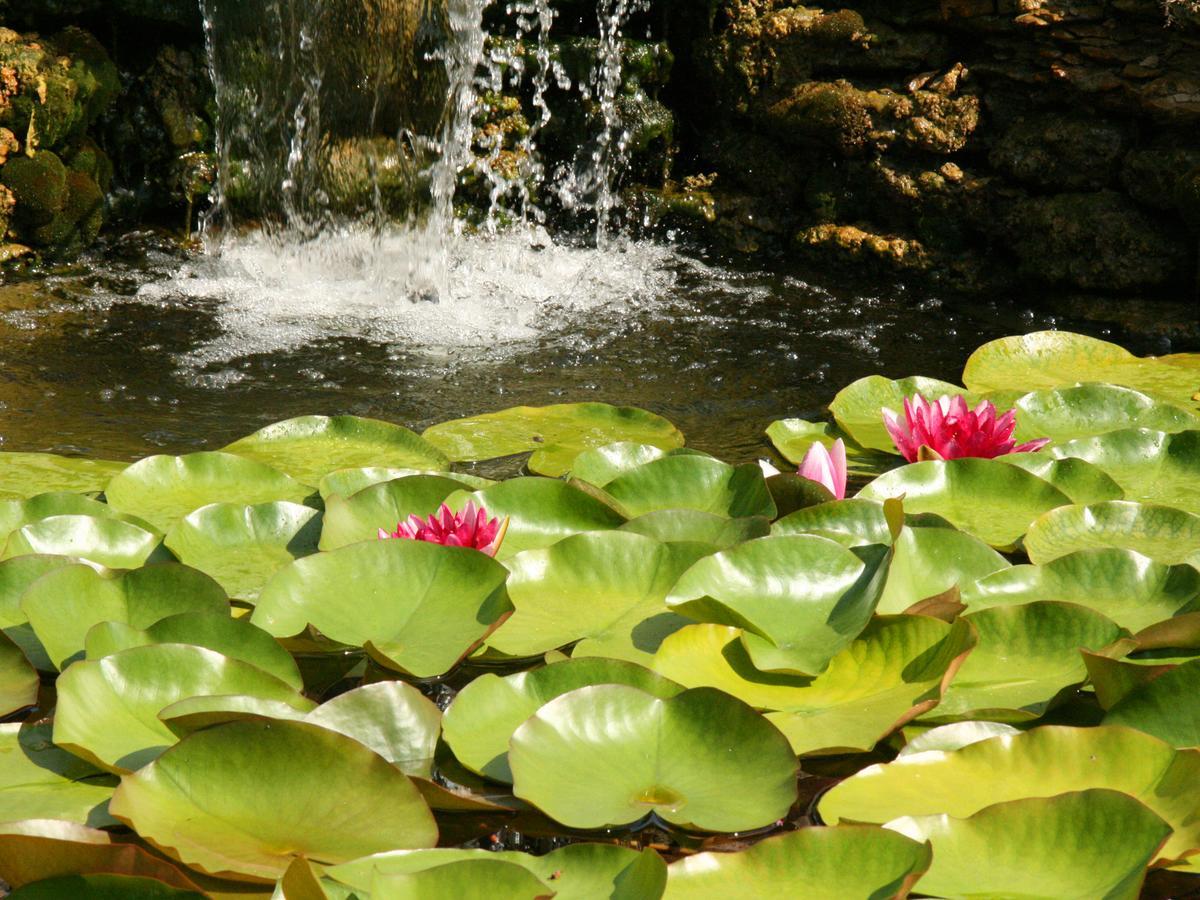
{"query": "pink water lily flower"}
pixel 824 467
pixel 949 429
pixel 469 528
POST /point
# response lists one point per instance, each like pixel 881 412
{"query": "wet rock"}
pixel 1187 198
pixel 1097 241
pixel 849 243
pixel 1152 176
pixel 1060 152
pixel 39 184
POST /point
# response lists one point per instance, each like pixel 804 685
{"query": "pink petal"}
pixel 818 466
pixel 900 434
pixel 1032 446
pixel 838 456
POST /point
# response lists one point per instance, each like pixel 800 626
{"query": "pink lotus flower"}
pixel 948 429
pixel 469 528
pixel 828 469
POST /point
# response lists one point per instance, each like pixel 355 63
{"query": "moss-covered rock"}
pixel 842 244
pixel 1062 152
pixel 39 183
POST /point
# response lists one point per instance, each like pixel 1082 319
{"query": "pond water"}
pixel 142 348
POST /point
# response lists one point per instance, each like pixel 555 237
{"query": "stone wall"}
pixel 979 142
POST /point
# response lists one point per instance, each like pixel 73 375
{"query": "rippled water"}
pixel 138 349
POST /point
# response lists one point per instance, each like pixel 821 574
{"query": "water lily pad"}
pixel 487 711
pixel 691 526
pixel 41 781
pixel 575 872
pixel 1077 478
pixel 600 465
pixel 1113 678
pixel 587 586
pixel 1052 359
pixel 693 482
pixel 245 798
pixel 16 575
pixel 164 489
pixel 348 482
pixel 310 447
pixel 931 559
pixel 994 501
pixel 1111 839
pixel 1132 590
pixel 420 606
pixel 847 861
pixel 612 754
pixel 108 708
pixel 41 849
pixel 104 887
pixel 1165 534
pixel 561 432
pixel 18 679
pixel 15 514
pixel 1165 707
pixel 1083 410
pixel 807 596
pixel 794 437
pixel 234 638
pixel 481 878
pixel 1150 466
pixel 959 783
pixel 392 718
pixel 896 670
pixel 1026 656
pixel 852 523
pixel 859 407
pixel 541 512
pixel 26 474
pixel 383 505
pixel 109 542
pixel 243 546
pixel 955 736
pixel 63 604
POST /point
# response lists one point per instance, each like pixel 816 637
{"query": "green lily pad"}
pixel 16 575
pixel 794 437
pixel 959 783
pixel 600 465
pixel 807 596
pixel 392 718
pixel 481 878
pixel 243 546
pixel 612 754
pixel 847 861
pixel 245 798
pixel 1165 534
pixel 41 849
pixel 109 542
pixel 852 523
pixel 1150 466
pixel 383 505
pixel 310 447
pixel 108 708
pixel 1165 707
pixel 1083 410
pixel 18 679
pixel 1026 656
pixel 540 512
pixel 234 638
pixel 191 714
pixel 1111 839
pixel 559 433
pixel 575 872
pixel 1113 678
pixel 994 501
pixel 693 482
pixel 104 887
pixel 587 586
pixel 691 526
pixel 15 514
pixel 484 715
pixel 896 670
pixel 1052 359
pixel 63 604
pixel 955 736
pixel 1078 479
pixel 164 489
pixel 859 407
pixel 26 474
pixel 1132 590
pixel 41 781
pixel 348 482
pixel 420 606
pixel 930 560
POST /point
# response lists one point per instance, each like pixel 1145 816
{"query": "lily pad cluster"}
pixel 674 676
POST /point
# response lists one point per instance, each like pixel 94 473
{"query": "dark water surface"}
pixel 89 364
